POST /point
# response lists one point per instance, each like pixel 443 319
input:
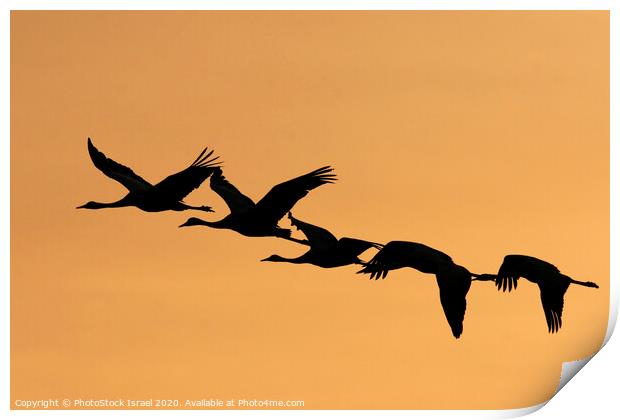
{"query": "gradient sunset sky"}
pixel 477 133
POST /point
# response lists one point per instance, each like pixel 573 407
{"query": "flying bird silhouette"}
pixel 166 195
pixel 453 280
pixel 325 250
pixel 261 219
pixel 550 281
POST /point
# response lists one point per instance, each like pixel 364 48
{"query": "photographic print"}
pixel 306 210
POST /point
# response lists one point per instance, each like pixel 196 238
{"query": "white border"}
pixel 593 394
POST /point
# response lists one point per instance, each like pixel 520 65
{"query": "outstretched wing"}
pixel 399 254
pixel 509 273
pixel 453 288
pixel 235 200
pixel 390 257
pixel 515 266
pixel 319 238
pixel 116 171
pixel 552 298
pixel 355 247
pixel 177 186
pixel 281 198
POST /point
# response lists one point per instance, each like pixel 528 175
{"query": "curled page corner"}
pixel 520 412
pixel 570 369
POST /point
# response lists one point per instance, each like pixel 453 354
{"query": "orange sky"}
pixel 477 133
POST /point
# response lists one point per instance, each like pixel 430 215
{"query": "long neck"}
pixel 297 260
pixel 220 224
pixel 584 283
pixel 120 203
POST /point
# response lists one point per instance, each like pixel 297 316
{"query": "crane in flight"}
pixel 326 250
pixel 453 280
pixel 165 195
pixel 261 219
pixel 550 281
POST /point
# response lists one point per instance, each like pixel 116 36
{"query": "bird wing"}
pixel 235 200
pixel 453 288
pixel 515 266
pixel 399 254
pixel 319 238
pixel 383 261
pixel 508 274
pixel 177 186
pixel 552 292
pixel 281 198
pixel 116 171
pixel 356 246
